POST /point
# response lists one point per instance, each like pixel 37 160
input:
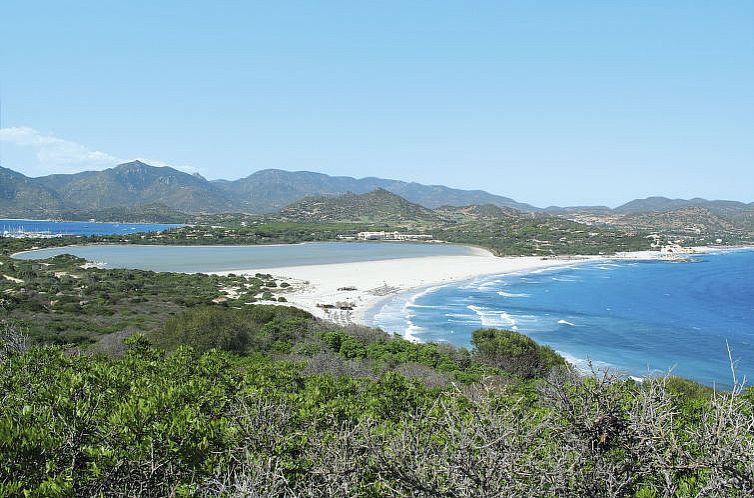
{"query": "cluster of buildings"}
pixel 391 236
pixel 24 234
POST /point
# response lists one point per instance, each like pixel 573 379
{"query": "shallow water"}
pixel 226 258
pixel 640 317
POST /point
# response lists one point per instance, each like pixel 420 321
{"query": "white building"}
pixel 392 236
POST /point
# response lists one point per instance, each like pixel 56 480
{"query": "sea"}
pixel 638 318
pixel 57 228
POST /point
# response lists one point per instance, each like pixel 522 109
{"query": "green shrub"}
pixel 514 353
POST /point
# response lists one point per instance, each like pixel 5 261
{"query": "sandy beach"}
pixel 345 292
pixel 324 289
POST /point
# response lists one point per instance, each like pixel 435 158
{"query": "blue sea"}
pixel 79 227
pixel 639 317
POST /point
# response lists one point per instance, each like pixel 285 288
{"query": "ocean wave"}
pixel 565 279
pixel 410 331
pixel 486 286
pixel 493 318
pixel 512 294
pixel 566 322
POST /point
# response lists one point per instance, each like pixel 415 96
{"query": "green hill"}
pixel 378 206
pixel 135 184
pixel 21 196
pixel 272 189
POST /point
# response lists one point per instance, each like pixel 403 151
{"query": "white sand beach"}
pixel 324 289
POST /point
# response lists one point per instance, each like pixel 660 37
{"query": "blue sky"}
pixel 550 102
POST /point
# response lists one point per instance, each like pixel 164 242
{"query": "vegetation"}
pixel 214 423
pixel 62 301
pixel 379 206
pixel 514 352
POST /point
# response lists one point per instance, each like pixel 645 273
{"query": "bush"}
pixel 250 329
pixel 514 353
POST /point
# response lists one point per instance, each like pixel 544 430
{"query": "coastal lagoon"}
pixel 230 258
pixel 13 227
pixel 637 316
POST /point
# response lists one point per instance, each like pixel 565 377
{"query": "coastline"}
pixel 362 286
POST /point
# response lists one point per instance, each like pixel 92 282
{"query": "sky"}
pixel 551 102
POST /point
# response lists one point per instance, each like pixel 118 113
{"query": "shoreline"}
pixel 345 293
pixel 349 293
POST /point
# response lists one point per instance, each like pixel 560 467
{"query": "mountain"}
pixel 125 190
pixel 660 204
pixel 378 206
pixel 271 189
pixel 21 196
pixel 135 184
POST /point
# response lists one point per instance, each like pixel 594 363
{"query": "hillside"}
pixel 484 212
pixel 378 206
pixel 136 191
pixel 135 184
pixel 660 204
pixel 21 196
pixel 271 189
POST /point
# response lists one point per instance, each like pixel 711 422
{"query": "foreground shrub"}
pixel 514 352
pixel 216 424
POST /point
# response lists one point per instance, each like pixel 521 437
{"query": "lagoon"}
pixel 234 258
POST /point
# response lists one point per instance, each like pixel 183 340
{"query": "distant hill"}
pixel 137 191
pixel 378 206
pixel 135 184
pixel 272 189
pixel 21 196
pixel 660 204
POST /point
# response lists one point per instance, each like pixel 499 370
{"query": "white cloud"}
pixel 35 153
pixel 57 155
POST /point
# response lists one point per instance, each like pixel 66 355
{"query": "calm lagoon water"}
pixel 80 227
pixel 639 317
pixel 225 258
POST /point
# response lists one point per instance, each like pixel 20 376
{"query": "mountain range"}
pixel 134 185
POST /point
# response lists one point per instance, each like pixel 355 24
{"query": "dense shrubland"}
pixel 60 302
pixel 267 401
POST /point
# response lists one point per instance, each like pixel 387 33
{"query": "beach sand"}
pixel 363 285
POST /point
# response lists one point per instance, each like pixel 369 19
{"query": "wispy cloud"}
pixel 56 155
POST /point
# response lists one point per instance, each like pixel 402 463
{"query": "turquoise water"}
pixel 80 227
pixel 639 317
pixel 225 258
